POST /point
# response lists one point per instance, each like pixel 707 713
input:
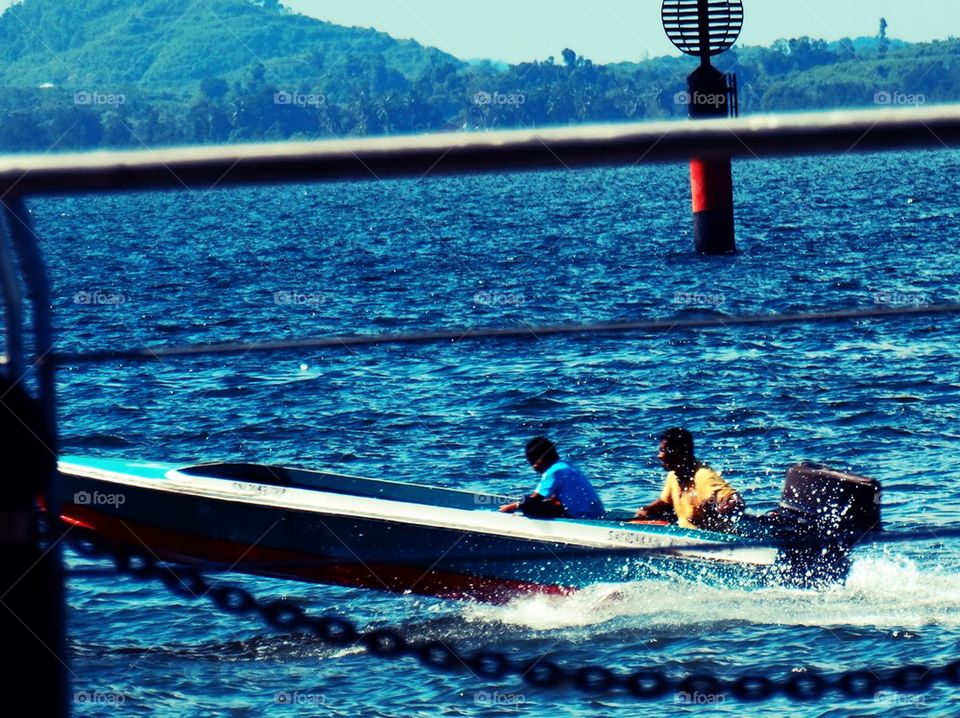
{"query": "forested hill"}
pixel 78 74
pixel 169 46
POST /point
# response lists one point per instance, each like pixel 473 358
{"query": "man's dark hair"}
pixel 679 441
pixel 541 448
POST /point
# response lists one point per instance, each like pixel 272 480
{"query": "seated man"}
pixel 563 491
pixel 693 491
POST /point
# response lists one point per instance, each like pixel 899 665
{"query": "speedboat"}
pixel 409 538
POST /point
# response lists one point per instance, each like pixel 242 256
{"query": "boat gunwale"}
pixel 582 533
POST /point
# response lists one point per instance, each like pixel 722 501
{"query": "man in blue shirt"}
pixel 563 491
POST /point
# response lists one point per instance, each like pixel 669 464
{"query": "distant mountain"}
pixel 79 74
pixel 170 46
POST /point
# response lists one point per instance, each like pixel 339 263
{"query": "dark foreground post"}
pixel 31 591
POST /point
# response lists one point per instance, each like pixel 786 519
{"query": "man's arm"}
pixel 654 510
pixel 511 508
pixel 545 488
pixel 661 507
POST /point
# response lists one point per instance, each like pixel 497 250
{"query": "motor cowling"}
pixel 837 503
pixel 823 512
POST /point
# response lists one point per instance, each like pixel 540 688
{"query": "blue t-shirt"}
pixel 573 490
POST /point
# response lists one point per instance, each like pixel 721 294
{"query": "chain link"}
pixel 286 615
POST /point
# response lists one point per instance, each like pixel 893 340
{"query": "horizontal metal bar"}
pixel 526 332
pixel 458 153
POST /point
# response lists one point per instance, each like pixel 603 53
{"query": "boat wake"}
pixel 880 592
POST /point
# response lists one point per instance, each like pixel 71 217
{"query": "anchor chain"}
pixel 389 643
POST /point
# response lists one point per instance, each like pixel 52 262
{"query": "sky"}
pixel 618 30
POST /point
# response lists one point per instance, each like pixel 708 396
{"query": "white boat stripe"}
pixel 476 521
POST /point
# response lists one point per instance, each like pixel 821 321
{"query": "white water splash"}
pixel 880 592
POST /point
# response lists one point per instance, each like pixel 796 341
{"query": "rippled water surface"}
pixel 876 397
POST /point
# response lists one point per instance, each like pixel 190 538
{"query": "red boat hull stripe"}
pixel 187 548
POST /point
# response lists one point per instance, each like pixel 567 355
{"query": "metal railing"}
pixel 459 153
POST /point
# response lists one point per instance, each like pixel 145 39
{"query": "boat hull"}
pixel 444 543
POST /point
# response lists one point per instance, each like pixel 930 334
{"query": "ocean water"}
pixel 875 397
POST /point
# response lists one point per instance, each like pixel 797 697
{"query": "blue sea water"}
pixel 876 397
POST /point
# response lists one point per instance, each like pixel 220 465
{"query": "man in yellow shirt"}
pixel 693 492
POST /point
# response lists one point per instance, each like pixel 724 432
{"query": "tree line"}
pixel 361 95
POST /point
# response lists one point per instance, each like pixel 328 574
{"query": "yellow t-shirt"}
pixel 707 487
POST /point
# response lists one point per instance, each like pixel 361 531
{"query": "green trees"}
pixel 247 71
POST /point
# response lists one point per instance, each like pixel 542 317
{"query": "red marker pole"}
pixel 713 225
pixel 711 180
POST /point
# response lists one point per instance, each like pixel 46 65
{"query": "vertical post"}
pixel 711 180
pixel 31 260
pixel 703 27
pixel 31 575
pixel 13 310
pixel 714 229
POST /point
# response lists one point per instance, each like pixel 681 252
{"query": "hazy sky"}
pixel 613 30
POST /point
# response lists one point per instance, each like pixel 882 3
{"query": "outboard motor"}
pixel 823 513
